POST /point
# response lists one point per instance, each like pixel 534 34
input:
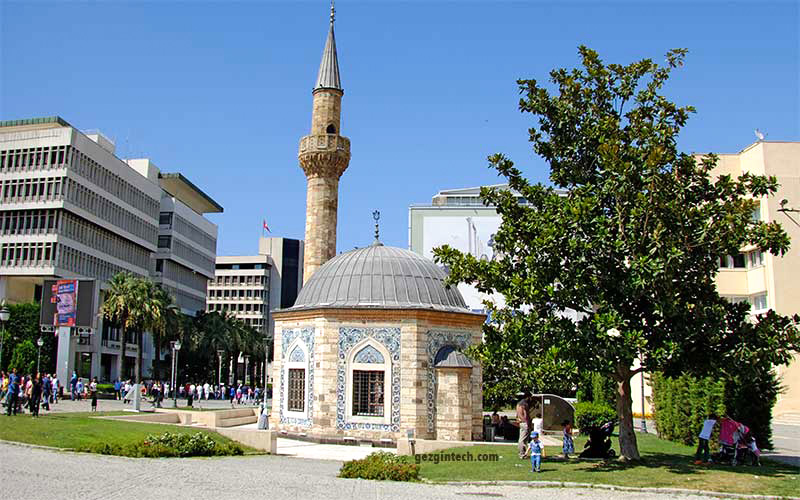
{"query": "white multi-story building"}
pixel 250 286
pixel 71 209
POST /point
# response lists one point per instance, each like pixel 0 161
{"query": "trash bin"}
pixel 488 433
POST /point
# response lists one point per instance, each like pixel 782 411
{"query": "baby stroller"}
pixel 731 434
pixel 599 443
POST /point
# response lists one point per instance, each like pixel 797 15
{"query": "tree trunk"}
pixel 121 361
pixel 139 338
pixel 628 449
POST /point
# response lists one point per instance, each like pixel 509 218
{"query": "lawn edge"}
pixel 612 487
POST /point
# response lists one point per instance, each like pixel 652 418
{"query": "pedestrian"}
pixel 46 389
pixel 93 393
pixel 206 390
pixel 538 424
pixel 154 392
pixel 35 396
pixel 54 382
pixel 524 423
pixel 73 384
pixel 12 395
pixel 117 388
pixel 126 389
pixel 537 452
pixel 568 445
pixel 79 388
pixel 232 395
pixel 703 438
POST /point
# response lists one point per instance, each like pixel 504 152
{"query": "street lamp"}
pixel 641 374
pixel 40 343
pixel 176 346
pixel 4 315
pixel 220 352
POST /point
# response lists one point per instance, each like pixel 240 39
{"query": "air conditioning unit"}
pixel 82 330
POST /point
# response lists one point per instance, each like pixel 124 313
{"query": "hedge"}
pixel 681 404
pixel 593 415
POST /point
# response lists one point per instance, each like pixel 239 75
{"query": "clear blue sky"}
pixel 221 91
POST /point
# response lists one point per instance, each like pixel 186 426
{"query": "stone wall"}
pixel 453 404
pixel 415 367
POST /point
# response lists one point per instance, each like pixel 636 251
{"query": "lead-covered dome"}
pixel 379 277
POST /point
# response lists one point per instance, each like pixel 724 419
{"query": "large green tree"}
pixel 617 260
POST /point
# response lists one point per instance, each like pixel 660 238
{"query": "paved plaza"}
pixel 32 474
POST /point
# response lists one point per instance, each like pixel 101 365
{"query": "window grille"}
pixel 368 393
pixel 297 389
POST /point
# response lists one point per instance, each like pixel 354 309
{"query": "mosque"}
pixel 371 351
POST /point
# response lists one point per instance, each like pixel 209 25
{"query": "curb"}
pixel 611 487
pixel 34 446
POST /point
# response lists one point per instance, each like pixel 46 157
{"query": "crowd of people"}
pixel 157 391
pixel 21 393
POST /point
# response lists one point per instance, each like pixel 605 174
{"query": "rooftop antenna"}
pixel 377 216
pixel 759 135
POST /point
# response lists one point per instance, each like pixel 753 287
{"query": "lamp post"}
pixel 40 343
pixel 176 346
pixel 641 374
pixel 4 315
pixel 220 352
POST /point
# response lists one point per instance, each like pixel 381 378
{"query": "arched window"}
pixel 369 384
pixel 331 129
pixel 295 373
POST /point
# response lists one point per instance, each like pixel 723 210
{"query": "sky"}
pixel 221 91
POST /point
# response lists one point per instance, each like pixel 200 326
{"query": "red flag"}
pixel 266 226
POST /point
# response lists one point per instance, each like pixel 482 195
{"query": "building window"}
pixel 756 258
pixel 297 389
pixel 723 262
pixel 164 241
pixel 165 219
pixel 739 261
pixel 760 302
pixel 368 393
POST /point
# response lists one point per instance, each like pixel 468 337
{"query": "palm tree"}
pixel 119 308
pixel 165 324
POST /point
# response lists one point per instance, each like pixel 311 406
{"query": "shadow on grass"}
pixel 681 464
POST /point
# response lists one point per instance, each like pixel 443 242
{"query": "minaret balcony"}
pixel 325 143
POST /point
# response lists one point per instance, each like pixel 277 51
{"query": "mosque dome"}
pixel 380 277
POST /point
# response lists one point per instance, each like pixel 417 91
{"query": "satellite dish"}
pixel 759 135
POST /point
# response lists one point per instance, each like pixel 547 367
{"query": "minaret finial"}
pixel 377 216
pixel 333 13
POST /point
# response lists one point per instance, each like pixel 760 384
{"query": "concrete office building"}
pixel 71 209
pixel 250 286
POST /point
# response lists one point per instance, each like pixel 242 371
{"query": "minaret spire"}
pixel 328 77
pixel 324 156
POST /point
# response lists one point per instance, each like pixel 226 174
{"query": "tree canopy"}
pixel 617 259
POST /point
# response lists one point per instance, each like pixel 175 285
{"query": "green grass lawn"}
pixel 79 430
pixel 666 465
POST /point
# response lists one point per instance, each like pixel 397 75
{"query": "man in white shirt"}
pixel 206 389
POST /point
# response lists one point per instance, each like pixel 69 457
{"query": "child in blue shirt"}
pixel 537 452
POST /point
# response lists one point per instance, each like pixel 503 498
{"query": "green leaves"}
pixel 631 244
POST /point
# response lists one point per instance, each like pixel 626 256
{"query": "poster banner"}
pixel 65 297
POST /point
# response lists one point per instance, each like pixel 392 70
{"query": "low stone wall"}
pixel 264 440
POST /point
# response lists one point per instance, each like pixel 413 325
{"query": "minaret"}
pixel 324 156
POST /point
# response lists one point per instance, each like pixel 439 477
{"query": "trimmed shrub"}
pixel 383 466
pixel 169 444
pixel 593 415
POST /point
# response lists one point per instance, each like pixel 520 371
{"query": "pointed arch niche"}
pixel 368 386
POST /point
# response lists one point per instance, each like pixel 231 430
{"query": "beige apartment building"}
pixel 250 286
pixel 71 209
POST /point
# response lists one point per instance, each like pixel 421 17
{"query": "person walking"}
pixel 568 445
pixel 117 388
pixel 35 396
pixel 54 382
pixel 524 423
pixel 46 389
pixel 93 393
pixel 537 452
pixel 12 395
pixel 73 385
